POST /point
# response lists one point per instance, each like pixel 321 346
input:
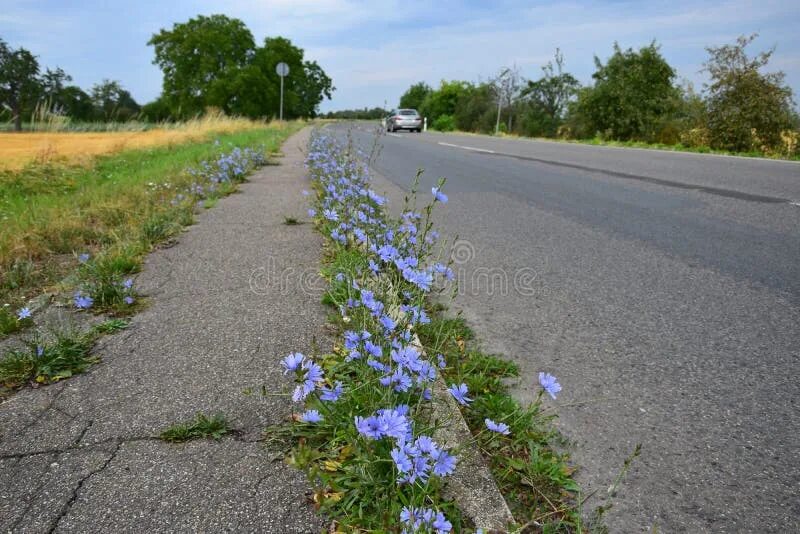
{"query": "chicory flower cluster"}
pixel 228 167
pixel 386 298
pixel 381 302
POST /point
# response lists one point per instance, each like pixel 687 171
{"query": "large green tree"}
pixel 632 94
pixel 19 81
pixel 199 59
pixel 747 109
pixel 214 61
pixel 415 95
pixel 444 100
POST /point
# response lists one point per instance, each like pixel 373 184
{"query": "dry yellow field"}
pixel 19 149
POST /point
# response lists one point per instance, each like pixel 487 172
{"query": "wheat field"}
pixel 20 149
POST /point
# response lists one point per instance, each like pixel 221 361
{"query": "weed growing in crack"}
pixel 45 361
pixel 201 427
pixel 291 221
pixel 111 326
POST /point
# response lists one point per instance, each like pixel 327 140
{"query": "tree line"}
pixel 207 62
pixel 634 97
pixel 26 90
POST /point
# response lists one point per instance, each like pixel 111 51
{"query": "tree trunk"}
pixel 16 106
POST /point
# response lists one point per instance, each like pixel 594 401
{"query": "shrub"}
pixel 444 123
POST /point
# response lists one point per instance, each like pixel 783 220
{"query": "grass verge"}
pixel 97 223
pixel 596 141
pixel 364 437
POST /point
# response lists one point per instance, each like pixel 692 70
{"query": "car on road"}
pixel 404 119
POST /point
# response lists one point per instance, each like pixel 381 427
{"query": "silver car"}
pixel 404 119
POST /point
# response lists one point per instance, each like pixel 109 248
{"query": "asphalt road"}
pixel 663 289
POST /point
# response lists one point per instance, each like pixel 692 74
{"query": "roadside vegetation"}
pixel 78 233
pixel 201 427
pixel 241 81
pixel 367 429
pixel 635 100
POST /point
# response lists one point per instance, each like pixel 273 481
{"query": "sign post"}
pixel 282 69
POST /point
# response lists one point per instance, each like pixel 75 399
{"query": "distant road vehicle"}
pixel 404 119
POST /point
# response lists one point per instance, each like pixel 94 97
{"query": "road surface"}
pixel 662 289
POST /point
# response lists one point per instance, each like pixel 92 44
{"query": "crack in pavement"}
pixel 68 505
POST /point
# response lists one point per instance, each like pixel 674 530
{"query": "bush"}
pixel 445 123
pixel 695 137
pixel 747 109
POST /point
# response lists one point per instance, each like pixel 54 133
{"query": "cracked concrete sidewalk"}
pixel 227 302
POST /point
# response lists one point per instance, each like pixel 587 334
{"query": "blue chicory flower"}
pixel 311 416
pixel 500 428
pixel 460 393
pixel 438 195
pixel 549 383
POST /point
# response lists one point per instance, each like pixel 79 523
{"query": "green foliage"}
pixel 214 62
pixel 477 110
pixel 19 80
pixel 534 477
pixel 632 92
pixel 104 278
pixel 112 102
pixel 415 96
pixel 198 58
pixel 747 109
pixel 546 99
pixel 111 326
pixel 444 123
pixel 68 353
pixel 444 100
pixel 8 321
pixel 201 427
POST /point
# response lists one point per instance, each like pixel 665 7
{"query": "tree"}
pixel 507 87
pixel 199 59
pixel 477 109
pixel 54 83
pixel 747 109
pixel 76 103
pixel 444 101
pixel 415 95
pixel 547 98
pixel 19 81
pixel 112 102
pixel 633 91
pixel 213 61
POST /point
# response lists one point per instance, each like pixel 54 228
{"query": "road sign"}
pixel 282 69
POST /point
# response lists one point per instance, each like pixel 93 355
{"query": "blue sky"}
pixel 375 50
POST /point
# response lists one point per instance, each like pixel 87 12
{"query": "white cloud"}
pixel 375 50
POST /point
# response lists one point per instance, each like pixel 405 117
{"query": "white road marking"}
pixel 795 204
pixel 393 134
pixel 468 148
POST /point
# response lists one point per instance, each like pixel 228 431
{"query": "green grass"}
pixel 533 474
pixel 44 362
pixel 201 427
pixel 111 326
pixel 116 210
